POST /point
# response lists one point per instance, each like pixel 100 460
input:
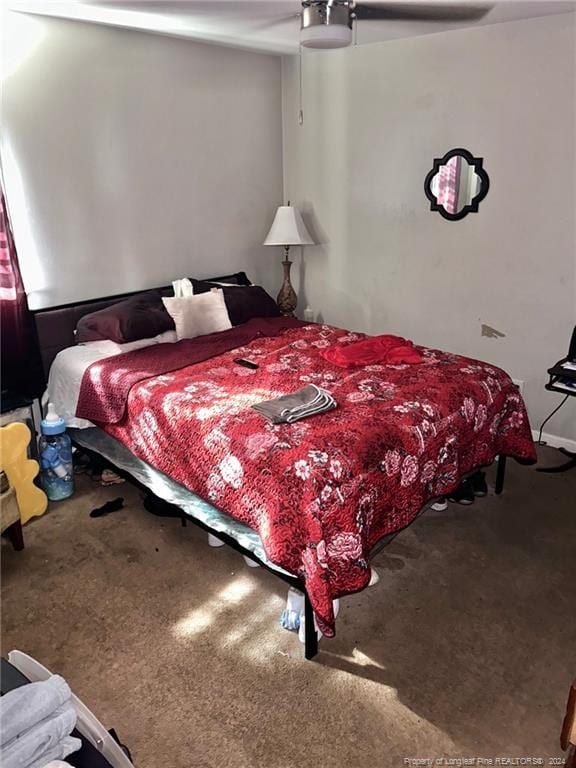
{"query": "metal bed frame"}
pixel 311 637
pixel 310 633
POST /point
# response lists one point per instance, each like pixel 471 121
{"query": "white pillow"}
pixel 168 337
pixel 198 315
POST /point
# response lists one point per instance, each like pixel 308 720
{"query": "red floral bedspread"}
pixel 323 491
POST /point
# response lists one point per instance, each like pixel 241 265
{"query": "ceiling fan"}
pixel 329 23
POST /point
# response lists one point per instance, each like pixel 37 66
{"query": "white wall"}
pixel 375 116
pixel 131 159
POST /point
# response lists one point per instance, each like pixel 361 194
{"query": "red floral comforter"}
pixel 323 491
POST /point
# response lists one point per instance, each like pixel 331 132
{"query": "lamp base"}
pixel 287 299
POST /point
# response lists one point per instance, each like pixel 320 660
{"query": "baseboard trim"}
pixel 556 441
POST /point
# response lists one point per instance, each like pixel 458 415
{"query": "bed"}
pixel 310 501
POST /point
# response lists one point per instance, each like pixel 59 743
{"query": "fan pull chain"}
pixel 300 109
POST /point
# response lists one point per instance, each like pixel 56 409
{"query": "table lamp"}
pixel 287 229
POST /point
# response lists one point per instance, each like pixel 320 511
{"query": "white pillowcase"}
pixel 108 347
pixel 198 315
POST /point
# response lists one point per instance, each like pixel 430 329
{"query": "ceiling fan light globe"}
pixel 326 36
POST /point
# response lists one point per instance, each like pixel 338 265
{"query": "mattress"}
pixel 66 373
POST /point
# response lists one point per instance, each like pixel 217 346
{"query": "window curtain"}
pixel 20 364
pixel 449 176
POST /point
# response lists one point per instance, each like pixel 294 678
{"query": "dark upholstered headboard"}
pixel 55 326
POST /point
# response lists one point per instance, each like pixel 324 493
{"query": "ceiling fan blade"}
pixel 277 22
pixel 382 11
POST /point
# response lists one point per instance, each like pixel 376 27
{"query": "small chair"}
pixel 563 380
pixel 20 499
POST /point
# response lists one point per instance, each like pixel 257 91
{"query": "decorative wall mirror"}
pixel 456 184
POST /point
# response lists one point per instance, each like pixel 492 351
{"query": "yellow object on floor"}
pixel 21 471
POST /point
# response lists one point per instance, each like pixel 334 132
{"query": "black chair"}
pixel 563 380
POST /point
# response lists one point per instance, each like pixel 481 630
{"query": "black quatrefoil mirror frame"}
pixel 472 198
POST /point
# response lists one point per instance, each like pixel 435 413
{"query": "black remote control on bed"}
pixel 246 363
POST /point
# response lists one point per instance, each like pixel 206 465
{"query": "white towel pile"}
pixel 36 721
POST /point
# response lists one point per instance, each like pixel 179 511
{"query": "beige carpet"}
pixel 466 647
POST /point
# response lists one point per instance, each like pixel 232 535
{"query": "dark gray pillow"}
pixel 243 302
pixel 140 317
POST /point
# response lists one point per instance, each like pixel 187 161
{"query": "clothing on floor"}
pixel 386 349
pixel 108 477
pixel 305 402
pixel 161 508
pixel 111 506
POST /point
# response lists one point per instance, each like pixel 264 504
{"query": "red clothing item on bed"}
pixel 320 492
pixel 391 350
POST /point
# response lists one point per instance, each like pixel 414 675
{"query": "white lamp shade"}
pixel 288 228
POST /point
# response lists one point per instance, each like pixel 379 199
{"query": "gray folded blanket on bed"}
pixel 305 402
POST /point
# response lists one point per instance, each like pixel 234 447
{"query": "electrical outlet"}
pixel 520 384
